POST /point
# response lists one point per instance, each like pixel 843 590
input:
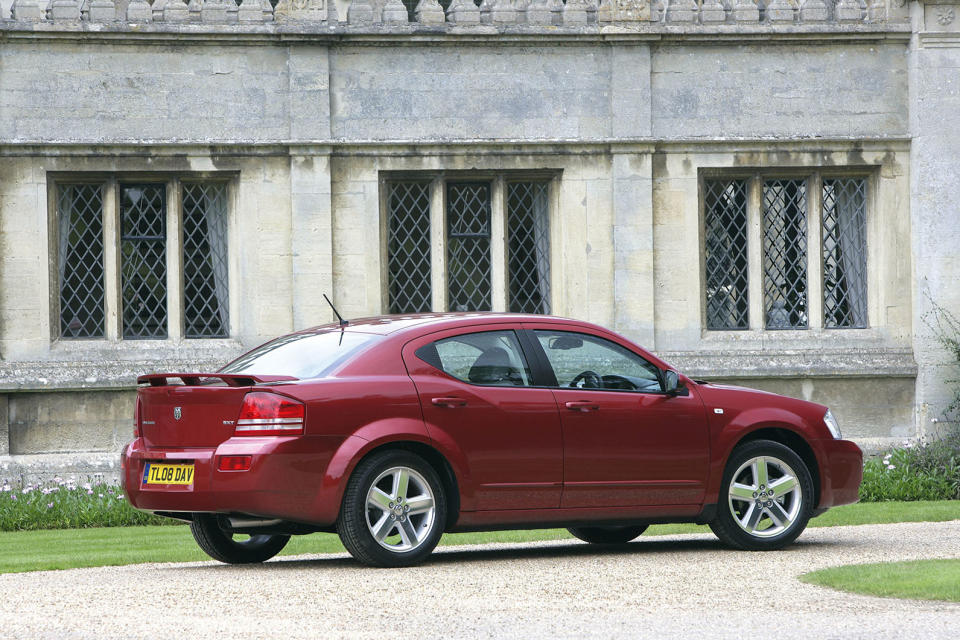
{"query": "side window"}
pixel 587 362
pixel 489 358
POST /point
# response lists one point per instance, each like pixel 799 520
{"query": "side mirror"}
pixel 671 382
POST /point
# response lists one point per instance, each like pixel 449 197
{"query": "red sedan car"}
pixel 392 430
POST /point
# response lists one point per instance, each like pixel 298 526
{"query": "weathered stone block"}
pixel 575 12
pixel 623 11
pixel 394 13
pixel 848 11
pixel 360 12
pixel 176 11
pixel 429 12
pixel 745 11
pixel 539 12
pixel 27 10
pixel 214 11
pixel 682 11
pixel 463 12
pixel 305 10
pixel 139 11
pixel 251 11
pixel 712 11
pixel 813 11
pixel 780 11
pixel 64 10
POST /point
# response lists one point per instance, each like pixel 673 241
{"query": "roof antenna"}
pixel 343 322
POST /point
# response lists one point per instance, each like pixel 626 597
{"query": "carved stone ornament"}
pixel 463 12
pixel 623 11
pixel 306 10
pixel 946 15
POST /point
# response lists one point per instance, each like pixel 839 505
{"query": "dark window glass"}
pixel 80 260
pixel 302 355
pixel 408 247
pixel 489 357
pixel 785 254
pixel 583 361
pixel 528 233
pixel 845 253
pixel 725 259
pixel 206 304
pixel 468 242
pixel 143 256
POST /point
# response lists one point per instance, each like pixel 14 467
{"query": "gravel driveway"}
pixel 671 586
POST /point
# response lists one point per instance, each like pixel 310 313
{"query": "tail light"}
pixel 269 414
pixel 234 463
pixel 136 419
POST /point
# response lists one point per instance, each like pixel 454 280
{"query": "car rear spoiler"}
pixel 194 379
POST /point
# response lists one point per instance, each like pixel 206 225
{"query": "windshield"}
pixel 301 355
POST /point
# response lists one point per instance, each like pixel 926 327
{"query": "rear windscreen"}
pixel 301 355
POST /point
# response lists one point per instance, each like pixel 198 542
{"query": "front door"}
pixel 626 443
pixel 478 404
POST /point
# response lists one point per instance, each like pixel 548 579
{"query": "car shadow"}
pixel 510 552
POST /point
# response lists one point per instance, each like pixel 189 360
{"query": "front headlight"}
pixel 832 425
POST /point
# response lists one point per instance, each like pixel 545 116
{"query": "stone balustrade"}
pixel 430 13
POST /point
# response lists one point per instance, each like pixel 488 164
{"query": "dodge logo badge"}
pixel 177 413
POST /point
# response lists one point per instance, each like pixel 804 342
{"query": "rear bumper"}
pixel 282 482
pixel 841 471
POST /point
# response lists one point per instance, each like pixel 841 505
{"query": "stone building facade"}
pixel 762 193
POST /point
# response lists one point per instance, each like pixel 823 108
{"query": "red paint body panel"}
pixel 518 456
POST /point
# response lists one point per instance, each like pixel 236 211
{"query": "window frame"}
pixel 518 338
pixel 499 225
pixel 815 286
pixel 111 183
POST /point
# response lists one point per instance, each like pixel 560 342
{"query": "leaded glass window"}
pixel 410 288
pixel 468 242
pixel 143 251
pixel 845 252
pixel 528 230
pixel 785 254
pixel 206 306
pixel 725 260
pixel 80 260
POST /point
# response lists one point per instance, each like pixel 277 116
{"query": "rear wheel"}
pixel 766 497
pixel 394 510
pixel 233 548
pixel 608 535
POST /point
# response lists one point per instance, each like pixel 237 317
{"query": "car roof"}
pixel 428 322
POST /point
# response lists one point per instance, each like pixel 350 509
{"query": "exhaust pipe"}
pixel 252 523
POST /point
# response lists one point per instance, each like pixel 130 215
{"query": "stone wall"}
pixel 626 108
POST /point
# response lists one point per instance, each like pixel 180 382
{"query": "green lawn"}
pixel 921 579
pixel 71 548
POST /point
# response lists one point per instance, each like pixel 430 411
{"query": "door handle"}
pixel 449 402
pixel 582 405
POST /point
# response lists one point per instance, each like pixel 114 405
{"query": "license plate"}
pixel 168 473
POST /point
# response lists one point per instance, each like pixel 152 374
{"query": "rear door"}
pixel 625 442
pixel 476 392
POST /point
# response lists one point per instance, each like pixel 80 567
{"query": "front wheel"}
pixel 607 535
pixel 232 548
pixel 766 497
pixel 394 510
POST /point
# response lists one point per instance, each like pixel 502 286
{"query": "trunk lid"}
pixel 201 412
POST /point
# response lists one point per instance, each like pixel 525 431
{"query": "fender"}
pixel 326 506
pixel 727 437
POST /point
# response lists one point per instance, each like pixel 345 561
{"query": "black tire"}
pixel 608 535
pixel 220 545
pixel 733 523
pixel 358 519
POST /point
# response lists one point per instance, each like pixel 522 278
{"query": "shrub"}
pixel 927 471
pixel 66 505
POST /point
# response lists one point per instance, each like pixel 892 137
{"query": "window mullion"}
pixel 498 246
pixel 438 242
pixel 111 260
pixel 755 252
pixel 815 253
pixel 174 262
